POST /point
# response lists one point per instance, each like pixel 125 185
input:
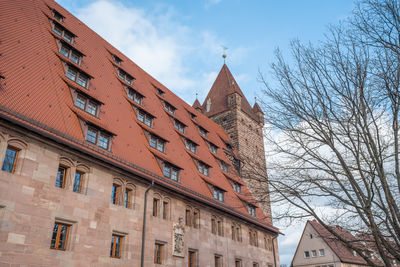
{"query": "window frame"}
pixel 116 194
pixel 81 179
pixel 14 159
pixel 203 168
pixel 123 75
pixel 170 108
pixel 157 142
pixel 65 34
pixel 158 257
pixel 99 135
pixel 64 176
pixel 191 146
pixel 145 117
pixel 307 254
pixel 78 76
pixel 179 126
pixel 156 207
pixel 113 248
pixel 58 234
pixel 70 52
pixel 171 172
pixel 217 193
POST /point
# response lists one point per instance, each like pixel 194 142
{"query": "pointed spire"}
pixel 225 85
pixel 197 105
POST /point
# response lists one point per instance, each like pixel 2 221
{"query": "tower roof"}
pixel 257 108
pixel 196 104
pixel 224 85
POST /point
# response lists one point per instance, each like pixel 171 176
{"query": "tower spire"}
pixel 224 53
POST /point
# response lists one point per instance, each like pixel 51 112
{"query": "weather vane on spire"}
pixel 224 54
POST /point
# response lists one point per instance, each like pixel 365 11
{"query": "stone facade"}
pixel 30 204
pixel 246 134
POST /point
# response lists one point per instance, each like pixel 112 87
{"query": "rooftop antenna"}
pixel 224 54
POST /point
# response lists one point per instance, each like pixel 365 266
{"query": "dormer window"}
pixel 159 91
pixel 125 76
pixel 251 209
pixel 192 115
pixel 58 16
pixel 157 143
pixel 203 168
pixel 135 96
pixel 117 59
pixel 229 147
pixel 98 137
pixel 77 76
pixel 70 53
pixel 213 148
pixel 203 131
pixel 168 107
pixel 171 172
pixel 237 187
pixel 145 117
pixel 191 146
pixel 87 104
pixel 64 33
pixel 218 194
pixel 224 166
pixel 179 126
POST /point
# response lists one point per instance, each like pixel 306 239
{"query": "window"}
pixel 61 175
pixel 253 238
pixel 58 16
pixel 158 253
pixel 188 217
pixel 213 226
pixel 125 76
pixel 354 253
pixel 220 227
pixel 203 131
pixel 213 148
pixel 156 203
pixel 314 253
pixel 10 159
pixel 168 107
pixel 306 254
pixel 128 198
pixel 237 187
pixel 236 232
pixel 115 194
pixel 145 117
pixel 77 76
pixel 135 96
pixel 78 181
pixel 191 146
pixel 252 210
pixel 217 261
pixel 203 168
pixel 192 115
pixel 238 263
pixel 116 246
pixel 192 258
pixel 255 264
pixel 98 138
pixel 86 104
pixel 196 219
pixel 224 166
pixel 70 53
pixel 179 126
pixel 165 210
pixel 171 172
pixel 159 91
pixel 321 252
pixel 117 59
pixel 157 143
pixel 64 33
pixel 59 239
pixel 218 194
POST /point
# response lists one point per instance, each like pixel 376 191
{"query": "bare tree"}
pixel 334 113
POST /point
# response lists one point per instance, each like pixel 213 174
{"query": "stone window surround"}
pixel 73 166
pixel 160 209
pixel 17 143
pixel 124 246
pixel 120 198
pixel 72 233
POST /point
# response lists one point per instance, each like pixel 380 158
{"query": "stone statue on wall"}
pixel 178 243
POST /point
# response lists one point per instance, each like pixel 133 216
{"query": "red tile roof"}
pixel 36 94
pixel 224 85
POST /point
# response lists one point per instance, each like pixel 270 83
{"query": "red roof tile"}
pixel 36 94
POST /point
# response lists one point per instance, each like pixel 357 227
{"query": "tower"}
pixel 226 105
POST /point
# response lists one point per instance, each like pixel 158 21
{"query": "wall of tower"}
pixel 247 137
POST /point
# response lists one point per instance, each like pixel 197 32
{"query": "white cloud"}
pixel 175 54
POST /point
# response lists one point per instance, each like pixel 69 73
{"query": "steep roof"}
pixel 224 85
pixel 196 104
pixel 344 253
pixel 37 95
pixel 257 108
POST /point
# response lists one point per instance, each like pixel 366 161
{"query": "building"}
pixel 319 248
pixel 227 105
pixel 103 165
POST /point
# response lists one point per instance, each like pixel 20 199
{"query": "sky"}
pixel 180 43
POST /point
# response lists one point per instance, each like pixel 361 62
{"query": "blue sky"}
pixel 179 42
